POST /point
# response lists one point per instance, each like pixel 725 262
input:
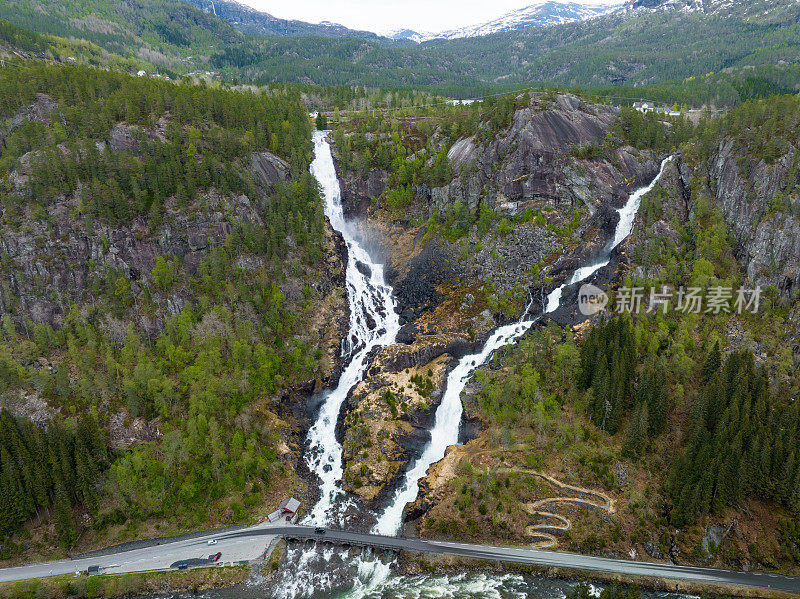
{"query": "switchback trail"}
pixel 589 498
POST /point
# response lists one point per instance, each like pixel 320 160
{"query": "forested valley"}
pixel 170 287
pixel 162 247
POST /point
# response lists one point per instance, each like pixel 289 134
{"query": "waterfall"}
pixel 448 414
pixel 373 323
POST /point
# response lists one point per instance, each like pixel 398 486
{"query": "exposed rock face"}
pixel 528 164
pixel 388 417
pixel 463 152
pixel 39 111
pixel 51 265
pixel 768 233
pixel 759 207
pixel 48 266
pixel 357 193
pixel 268 169
pixel 123 138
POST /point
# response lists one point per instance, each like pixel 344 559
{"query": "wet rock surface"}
pixel 529 165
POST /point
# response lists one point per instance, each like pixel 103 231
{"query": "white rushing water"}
pixel 373 323
pixel 448 414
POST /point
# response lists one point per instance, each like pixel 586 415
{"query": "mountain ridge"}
pixel 252 21
pixel 539 14
pixel 636 45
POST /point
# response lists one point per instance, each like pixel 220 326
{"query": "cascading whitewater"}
pixel 373 323
pixel 448 414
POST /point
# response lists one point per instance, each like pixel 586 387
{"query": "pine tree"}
pixel 601 384
pixel 65 525
pixel 657 402
pixel 794 503
pixel 637 436
pixel 712 363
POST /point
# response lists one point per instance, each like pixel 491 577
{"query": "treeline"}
pixel 741 442
pixel 92 101
pixel 763 129
pixel 608 371
pixel 169 28
pixel 724 88
pixel 411 145
pixel 569 55
pixel 53 468
pixel 647 130
pixel 615 386
pixel 17 37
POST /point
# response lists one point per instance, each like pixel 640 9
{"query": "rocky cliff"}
pixel 550 208
pixel 762 211
pixel 530 163
pixel 56 261
pixel 759 220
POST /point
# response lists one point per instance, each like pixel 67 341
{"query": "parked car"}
pixel 319 530
pixel 183 566
pixel 215 556
pixel 212 541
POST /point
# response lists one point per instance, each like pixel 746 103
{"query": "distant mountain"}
pixel 742 8
pixel 541 14
pixel 255 22
pixel 640 43
pixel 686 5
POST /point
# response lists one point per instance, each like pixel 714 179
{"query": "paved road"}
pixel 549 558
pixel 159 557
pixel 251 542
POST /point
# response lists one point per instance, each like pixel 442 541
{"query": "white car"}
pixel 212 542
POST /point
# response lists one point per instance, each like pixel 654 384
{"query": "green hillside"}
pixel 624 48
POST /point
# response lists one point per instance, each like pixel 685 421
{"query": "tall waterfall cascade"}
pixel 374 323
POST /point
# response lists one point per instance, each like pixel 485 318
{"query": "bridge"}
pixel 249 543
pixel 541 558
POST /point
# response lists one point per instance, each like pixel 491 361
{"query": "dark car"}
pixel 319 530
pixel 183 566
pixel 215 556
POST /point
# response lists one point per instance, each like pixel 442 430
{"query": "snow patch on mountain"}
pixel 540 14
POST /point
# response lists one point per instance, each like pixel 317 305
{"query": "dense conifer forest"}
pixel 238 338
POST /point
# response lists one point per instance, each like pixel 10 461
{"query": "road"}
pixel 536 557
pixel 156 557
pixel 251 542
